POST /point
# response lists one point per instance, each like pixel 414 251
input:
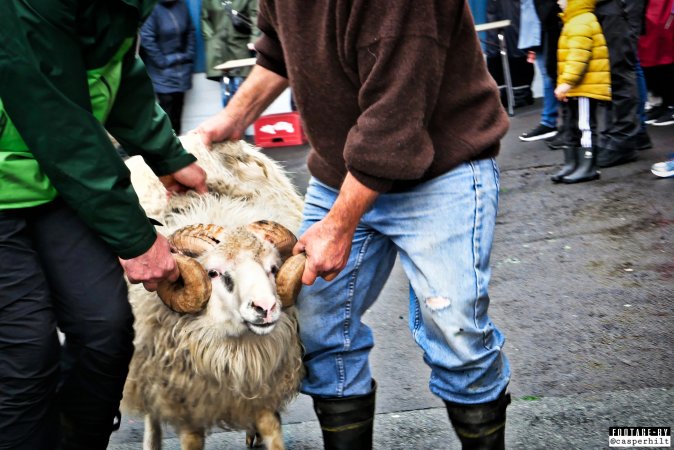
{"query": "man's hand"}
pixel 218 128
pixel 189 177
pixel 259 90
pixel 151 267
pixel 561 91
pixel 327 243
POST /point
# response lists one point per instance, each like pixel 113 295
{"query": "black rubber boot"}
pixel 346 422
pixel 480 426
pixel 570 164
pixel 587 167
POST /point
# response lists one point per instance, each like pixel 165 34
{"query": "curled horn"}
pixel 275 233
pixel 289 276
pixel 289 279
pixel 191 291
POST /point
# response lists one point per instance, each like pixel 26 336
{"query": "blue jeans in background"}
pixel 228 87
pixel 442 231
pixel 550 103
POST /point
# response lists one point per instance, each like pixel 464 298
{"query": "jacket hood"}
pixel 576 7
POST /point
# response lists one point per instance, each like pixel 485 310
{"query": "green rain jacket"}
pixel 222 39
pixel 66 68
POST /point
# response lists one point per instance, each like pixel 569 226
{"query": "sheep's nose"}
pixel 264 308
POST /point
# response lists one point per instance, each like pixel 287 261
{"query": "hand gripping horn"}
pixel 191 292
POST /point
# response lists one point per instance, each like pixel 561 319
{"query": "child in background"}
pixel 584 78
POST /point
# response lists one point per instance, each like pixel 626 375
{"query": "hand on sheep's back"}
pixel 189 177
pixel 153 266
pixel 218 128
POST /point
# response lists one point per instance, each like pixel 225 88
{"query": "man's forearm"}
pixel 352 203
pixel 259 90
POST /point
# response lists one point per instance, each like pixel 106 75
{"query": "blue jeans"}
pixel 550 103
pixel 442 230
pixel 228 87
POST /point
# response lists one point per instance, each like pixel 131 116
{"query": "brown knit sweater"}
pixel 394 91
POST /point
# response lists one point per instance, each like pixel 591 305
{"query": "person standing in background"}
pixel 228 27
pixel 168 51
pixel 620 21
pixel 583 80
pixel 531 39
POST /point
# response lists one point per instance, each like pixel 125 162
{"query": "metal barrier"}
pixel 500 25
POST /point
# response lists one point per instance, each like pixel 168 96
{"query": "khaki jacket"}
pixel 582 54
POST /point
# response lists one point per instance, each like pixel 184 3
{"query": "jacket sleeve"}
pixel 191 39
pixel 140 125
pixel 579 53
pixel 47 97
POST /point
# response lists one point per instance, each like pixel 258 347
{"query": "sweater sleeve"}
pixel 47 97
pixel 400 81
pixel 268 46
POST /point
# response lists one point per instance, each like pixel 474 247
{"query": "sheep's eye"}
pixel 274 270
pixel 213 273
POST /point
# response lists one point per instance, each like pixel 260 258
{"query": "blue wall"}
pixel 479 10
pixel 195 12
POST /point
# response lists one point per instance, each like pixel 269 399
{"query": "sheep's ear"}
pixel 289 279
pixel 190 293
pixel 273 232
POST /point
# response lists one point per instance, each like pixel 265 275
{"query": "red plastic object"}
pixel 279 130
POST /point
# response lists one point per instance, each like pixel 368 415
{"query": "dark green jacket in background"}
pixel 49 51
pixel 223 41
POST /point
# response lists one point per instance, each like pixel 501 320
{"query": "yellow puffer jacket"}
pixel 582 55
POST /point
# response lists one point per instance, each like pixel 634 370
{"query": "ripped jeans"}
pixel 442 230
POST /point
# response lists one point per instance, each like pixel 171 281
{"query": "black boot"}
pixel 480 426
pixel 587 168
pixel 570 163
pixel 346 422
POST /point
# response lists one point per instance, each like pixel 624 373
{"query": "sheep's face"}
pixel 242 270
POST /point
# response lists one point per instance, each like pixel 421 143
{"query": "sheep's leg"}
pixel 192 439
pixel 268 424
pixel 253 439
pixel 152 434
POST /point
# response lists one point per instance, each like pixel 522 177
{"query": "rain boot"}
pixel 480 426
pixel 346 422
pixel 587 168
pixel 570 163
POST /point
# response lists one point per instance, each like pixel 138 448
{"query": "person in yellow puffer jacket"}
pixel 584 77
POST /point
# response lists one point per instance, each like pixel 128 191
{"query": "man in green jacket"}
pixel 69 215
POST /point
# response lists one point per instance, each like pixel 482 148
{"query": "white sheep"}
pixel 237 361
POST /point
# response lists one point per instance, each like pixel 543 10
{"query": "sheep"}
pixel 232 358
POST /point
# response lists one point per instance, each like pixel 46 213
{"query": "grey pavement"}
pixel 582 286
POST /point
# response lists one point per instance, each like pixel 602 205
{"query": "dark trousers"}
pixel 54 271
pixel 620 22
pixel 580 124
pixel 173 105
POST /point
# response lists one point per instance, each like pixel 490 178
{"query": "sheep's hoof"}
pixel 253 439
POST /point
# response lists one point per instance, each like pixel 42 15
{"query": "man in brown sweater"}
pixel 404 122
